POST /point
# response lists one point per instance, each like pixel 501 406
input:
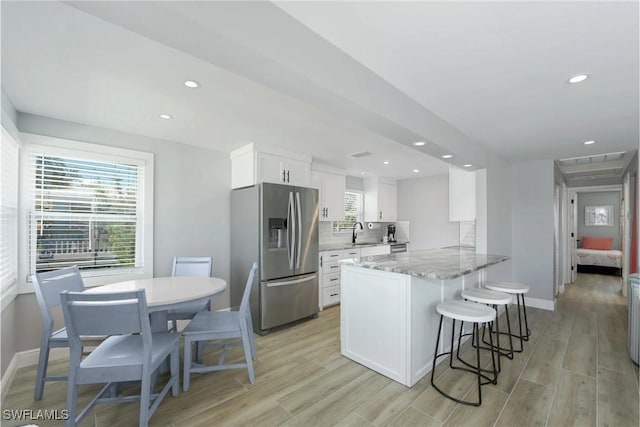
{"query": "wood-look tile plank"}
pixel 546 361
pixel 585 323
pixel 484 415
pixel 453 382
pixel 393 399
pixel 612 353
pixel 336 406
pixel 528 405
pixel 617 398
pixel 304 397
pixel 575 401
pixel 412 417
pixel 581 355
pixel 353 420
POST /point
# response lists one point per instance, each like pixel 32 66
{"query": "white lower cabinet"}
pixel 330 276
pixel 329 290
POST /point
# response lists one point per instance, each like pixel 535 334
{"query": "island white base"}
pixel 389 323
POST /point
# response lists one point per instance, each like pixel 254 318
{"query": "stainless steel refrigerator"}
pixel 277 226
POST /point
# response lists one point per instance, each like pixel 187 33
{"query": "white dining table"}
pixel 167 293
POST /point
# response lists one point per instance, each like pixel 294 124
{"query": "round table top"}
pixel 167 291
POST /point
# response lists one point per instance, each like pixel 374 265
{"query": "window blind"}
pixel 8 214
pixel 353 206
pixel 84 212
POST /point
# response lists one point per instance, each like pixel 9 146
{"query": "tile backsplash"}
pixel 367 236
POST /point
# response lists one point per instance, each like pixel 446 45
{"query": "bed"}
pixel 596 256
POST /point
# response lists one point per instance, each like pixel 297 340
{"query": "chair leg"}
pixel 246 344
pixel 145 398
pixel 526 323
pixel 435 352
pixel 252 341
pixel 186 373
pixel 174 361
pixel 476 331
pixel 43 361
pixel 72 401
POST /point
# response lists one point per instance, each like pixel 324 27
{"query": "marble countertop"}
pixel 349 245
pixel 442 264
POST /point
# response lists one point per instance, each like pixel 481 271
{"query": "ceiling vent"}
pixel 359 155
pixel 599 158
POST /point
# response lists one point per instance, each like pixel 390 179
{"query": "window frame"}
pixel 10 290
pixel 39 144
pixel 360 216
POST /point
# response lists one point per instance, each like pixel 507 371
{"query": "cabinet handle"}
pixel 283 175
pixel 353 253
pixel 288 176
pixel 327 212
pixel 332 280
pixel 333 295
pixel 334 255
pixel 320 261
pixel 380 214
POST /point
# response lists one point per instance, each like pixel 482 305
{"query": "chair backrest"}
pixel 244 304
pixel 192 266
pixel 48 286
pixel 112 313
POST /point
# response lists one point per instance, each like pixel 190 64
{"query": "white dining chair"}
pixel 190 266
pixel 130 353
pixel 48 286
pixel 221 325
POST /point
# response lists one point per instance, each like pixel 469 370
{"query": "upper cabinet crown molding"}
pixel 380 200
pixel 251 165
pixel 462 195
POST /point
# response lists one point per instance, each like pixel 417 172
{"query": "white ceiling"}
pixel 341 77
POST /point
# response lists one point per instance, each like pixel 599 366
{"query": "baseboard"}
pixel 541 303
pixel 26 358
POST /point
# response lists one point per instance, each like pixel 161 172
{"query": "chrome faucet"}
pixel 353 232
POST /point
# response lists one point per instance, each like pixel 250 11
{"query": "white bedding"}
pixel 612 258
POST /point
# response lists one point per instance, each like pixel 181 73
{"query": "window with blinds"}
pixel 84 212
pixel 8 215
pixel 353 212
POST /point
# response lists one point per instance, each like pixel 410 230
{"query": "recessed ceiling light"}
pixel 191 83
pixel 447 156
pixel 578 78
pixel 589 142
pixel 386 162
pixel 165 116
pixel 361 173
pixel 468 165
pixel 416 170
pixel 419 143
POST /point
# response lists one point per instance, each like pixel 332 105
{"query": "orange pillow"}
pixel 600 243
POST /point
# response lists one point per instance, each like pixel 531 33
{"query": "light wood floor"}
pixel 575 371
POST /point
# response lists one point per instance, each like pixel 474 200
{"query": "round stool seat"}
pixel 486 296
pixel 466 311
pixel 508 287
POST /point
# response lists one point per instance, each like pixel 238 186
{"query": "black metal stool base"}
pixel 471 368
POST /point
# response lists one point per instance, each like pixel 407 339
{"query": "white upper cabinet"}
pixel 380 200
pixel 251 166
pixel 332 188
pixel 462 195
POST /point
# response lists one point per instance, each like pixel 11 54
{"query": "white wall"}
pixel 424 202
pixel 499 216
pixel 532 226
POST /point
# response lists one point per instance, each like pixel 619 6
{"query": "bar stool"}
pixel 519 290
pixel 494 299
pixel 477 314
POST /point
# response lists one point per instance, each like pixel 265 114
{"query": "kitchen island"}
pixel 388 319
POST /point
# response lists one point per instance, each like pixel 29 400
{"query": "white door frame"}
pixel 566 268
pixel 626 221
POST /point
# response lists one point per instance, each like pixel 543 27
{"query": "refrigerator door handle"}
pixel 291 225
pixel 299 214
pixel 291 282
